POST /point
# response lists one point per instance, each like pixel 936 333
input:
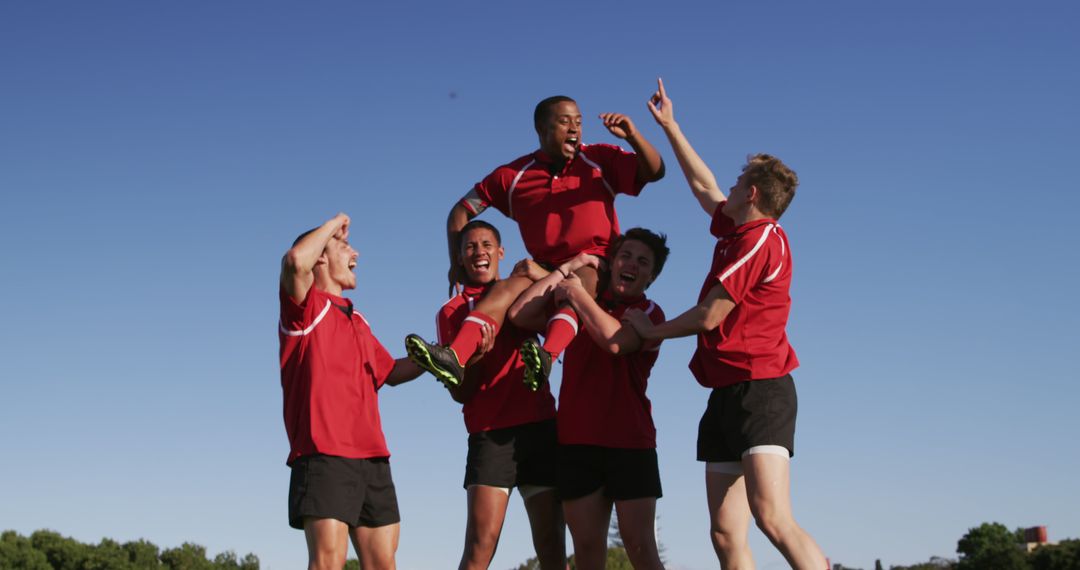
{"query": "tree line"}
pixel 48 550
pixel 992 546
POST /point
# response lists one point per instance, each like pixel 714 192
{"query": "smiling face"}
pixel 560 131
pixel 631 270
pixel 480 255
pixel 340 259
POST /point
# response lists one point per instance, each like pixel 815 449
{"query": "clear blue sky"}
pixel 157 158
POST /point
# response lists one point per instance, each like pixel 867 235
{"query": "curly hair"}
pixel 775 181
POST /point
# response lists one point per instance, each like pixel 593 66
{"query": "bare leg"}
pixel 637 526
pixel 376 546
pixel 487 510
pixel 729 518
pixel 548 529
pixel 327 542
pixel 588 519
pixel 502 294
pixel 768 488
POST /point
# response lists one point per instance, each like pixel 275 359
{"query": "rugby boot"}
pixel 537 364
pixel 440 361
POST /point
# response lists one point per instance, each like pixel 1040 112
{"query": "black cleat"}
pixel 537 364
pixel 440 361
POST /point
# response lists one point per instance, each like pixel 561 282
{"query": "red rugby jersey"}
pixel 501 400
pixel 753 263
pixel 331 368
pixel 561 214
pixel 602 398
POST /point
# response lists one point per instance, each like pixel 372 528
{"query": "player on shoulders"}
pixel 562 197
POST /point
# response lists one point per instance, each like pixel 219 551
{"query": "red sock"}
pixel 468 338
pixel 561 329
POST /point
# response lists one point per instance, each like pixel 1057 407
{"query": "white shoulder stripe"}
pixel 357 313
pixel 774 273
pixel 510 192
pixel 597 166
pixel 745 258
pixel 304 332
pixel 652 306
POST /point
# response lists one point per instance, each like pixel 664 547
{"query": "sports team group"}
pixel 583 290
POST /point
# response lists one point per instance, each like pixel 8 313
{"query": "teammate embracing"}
pixel 332 367
pixel 746 436
pixel 511 429
pixel 607 439
pixel 562 197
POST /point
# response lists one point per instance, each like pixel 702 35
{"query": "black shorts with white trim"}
pixel 745 415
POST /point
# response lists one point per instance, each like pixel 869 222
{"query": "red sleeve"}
pixel 656 315
pixel 492 190
pixel 298 316
pixel 721 224
pixel 379 360
pixel 443 327
pixel 743 264
pixel 619 168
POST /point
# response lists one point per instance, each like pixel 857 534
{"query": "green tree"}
pixel 188 556
pixel 992 546
pixel 17 552
pixel 63 553
pixel 107 555
pixel 1064 555
pixel 143 554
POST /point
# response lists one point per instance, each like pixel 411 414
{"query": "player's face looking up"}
pixel 480 255
pixel 560 133
pixel 737 198
pixel 631 269
pixel 340 262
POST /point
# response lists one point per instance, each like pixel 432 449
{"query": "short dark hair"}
pixel 543 108
pixel 654 241
pixel 775 181
pixel 302 236
pixel 481 225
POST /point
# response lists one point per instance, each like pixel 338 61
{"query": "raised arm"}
pixel 701 179
pixel 705 316
pixel 650 166
pixel 606 331
pixel 298 263
pixel 459 216
pixel 529 311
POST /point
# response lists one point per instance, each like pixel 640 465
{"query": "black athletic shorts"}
pixel 513 456
pixel 748 414
pixel 623 473
pixel 357 492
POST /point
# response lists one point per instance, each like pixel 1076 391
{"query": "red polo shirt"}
pixel 602 398
pixel 753 263
pixel 561 214
pixel 331 369
pixel 502 400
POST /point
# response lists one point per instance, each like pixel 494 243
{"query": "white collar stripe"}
pixel 304 332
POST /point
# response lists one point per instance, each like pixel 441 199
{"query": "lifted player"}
pixel 562 197
pixel 511 429
pixel 747 434
pixel 607 439
pixel 332 367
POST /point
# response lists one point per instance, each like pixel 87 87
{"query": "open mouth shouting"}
pixel 570 146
